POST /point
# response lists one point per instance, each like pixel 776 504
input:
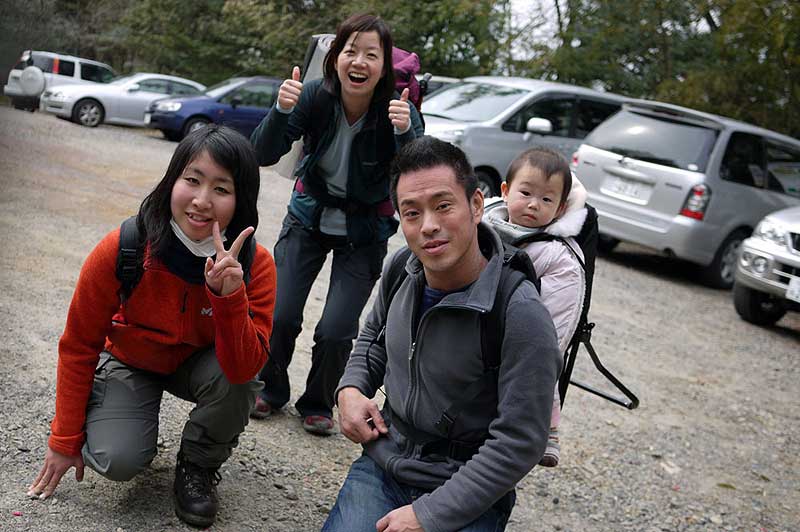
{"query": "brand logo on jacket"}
pixel 206 311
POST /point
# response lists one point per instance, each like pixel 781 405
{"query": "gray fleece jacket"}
pixel 429 360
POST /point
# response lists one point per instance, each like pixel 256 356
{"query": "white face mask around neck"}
pixel 202 248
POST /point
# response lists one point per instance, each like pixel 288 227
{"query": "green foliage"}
pixel 739 58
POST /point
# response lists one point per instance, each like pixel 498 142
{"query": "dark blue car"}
pixel 240 103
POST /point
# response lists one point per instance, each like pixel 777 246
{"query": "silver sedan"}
pixel 123 101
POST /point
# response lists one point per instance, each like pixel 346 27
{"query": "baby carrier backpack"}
pixel 130 258
pixel 587 240
pixel 406 68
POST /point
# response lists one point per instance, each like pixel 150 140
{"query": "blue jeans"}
pixel 369 493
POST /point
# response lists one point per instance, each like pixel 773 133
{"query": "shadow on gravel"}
pixel 655 264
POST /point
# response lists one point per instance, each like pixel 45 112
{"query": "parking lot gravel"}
pixel 714 445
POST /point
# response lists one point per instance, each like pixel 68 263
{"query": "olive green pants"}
pixel 122 414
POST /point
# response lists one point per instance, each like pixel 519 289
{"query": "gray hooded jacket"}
pixel 429 360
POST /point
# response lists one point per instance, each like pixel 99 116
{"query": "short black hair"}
pixel 229 149
pixel 361 23
pixel 547 161
pixel 427 152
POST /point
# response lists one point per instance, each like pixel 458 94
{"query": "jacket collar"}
pixel 480 295
pixel 568 225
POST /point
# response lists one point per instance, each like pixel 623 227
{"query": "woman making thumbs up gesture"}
pixel 352 123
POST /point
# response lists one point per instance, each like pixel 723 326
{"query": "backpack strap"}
pixel 516 269
pixel 130 258
pixel 130 264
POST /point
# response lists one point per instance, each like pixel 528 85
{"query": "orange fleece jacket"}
pixel 161 324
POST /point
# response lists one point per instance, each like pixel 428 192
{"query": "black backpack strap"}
pixel 247 261
pixel 395 275
pixel 130 264
pixel 516 269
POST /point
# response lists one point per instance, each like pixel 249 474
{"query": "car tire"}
pixel 606 244
pixel 88 112
pixel 757 307
pixel 720 273
pixel 193 124
pixel 487 183
pixel 32 81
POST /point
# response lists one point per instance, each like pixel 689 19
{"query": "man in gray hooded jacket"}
pixel 428 354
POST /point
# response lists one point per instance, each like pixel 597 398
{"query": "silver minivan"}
pixel 690 184
pixel 493 119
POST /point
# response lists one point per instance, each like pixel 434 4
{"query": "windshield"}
pixel 215 91
pixel 472 102
pixel 657 140
pixel 120 80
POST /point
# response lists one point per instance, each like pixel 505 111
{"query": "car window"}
pixel 91 72
pixel 558 110
pixel 66 68
pixel 160 86
pixel 743 161
pixel 182 89
pixel 591 114
pixel 215 91
pixel 655 139
pixel 42 61
pixel 783 169
pixel 253 95
pixel 473 102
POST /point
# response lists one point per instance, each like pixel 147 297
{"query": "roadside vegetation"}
pixel 738 58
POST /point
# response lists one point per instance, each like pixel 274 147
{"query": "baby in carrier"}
pixel 541 211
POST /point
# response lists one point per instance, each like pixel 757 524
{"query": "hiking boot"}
pixel 195 489
pixel 262 409
pixel 320 425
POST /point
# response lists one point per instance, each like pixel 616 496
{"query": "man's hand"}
pixel 400 112
pixel 289 92
pixel 55 465
pixel 401 520
pixel 225 275
pixel 355 414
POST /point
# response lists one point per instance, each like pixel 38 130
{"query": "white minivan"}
pixel 692 185
pixel 495 118
pixel 37 70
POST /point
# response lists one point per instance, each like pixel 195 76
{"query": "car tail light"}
pixel 697 202
pixel 55 65
pixel 575 159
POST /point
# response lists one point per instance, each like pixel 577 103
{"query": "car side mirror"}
pixel 539 125
pixel 134 87
pixel 236 101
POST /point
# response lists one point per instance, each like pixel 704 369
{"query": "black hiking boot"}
pixel 196 500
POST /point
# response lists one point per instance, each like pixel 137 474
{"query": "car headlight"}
pixel 169 107
pixel 452 136
pixel 772 231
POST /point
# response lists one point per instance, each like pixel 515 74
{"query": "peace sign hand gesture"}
pixel 225 275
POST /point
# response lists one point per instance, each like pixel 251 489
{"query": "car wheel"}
pixel 194 124
pixel 720 273
pixel 757 307
pixel 174 136
pixel 486 183
pixel 88 112
pixel 606 244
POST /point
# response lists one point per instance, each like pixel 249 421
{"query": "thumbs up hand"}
pixel 400 112
pixel 289 92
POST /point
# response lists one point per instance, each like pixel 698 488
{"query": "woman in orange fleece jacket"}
pixel 190 326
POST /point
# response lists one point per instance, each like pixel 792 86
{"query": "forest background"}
pixel 737 58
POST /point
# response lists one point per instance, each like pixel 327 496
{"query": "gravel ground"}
pixel 714 445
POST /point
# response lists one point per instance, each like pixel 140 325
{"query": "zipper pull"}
pixel 411 352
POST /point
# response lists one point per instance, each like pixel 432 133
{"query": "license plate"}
pixel 147 118
pixel 793 292
pixel 636 190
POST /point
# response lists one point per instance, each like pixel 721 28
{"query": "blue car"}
pixel 240 103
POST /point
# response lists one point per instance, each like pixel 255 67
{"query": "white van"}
pixel 494 119
pixel 692 185
pixel 36 70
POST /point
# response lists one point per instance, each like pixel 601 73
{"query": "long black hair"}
pixel 229 149
pixel 358 24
